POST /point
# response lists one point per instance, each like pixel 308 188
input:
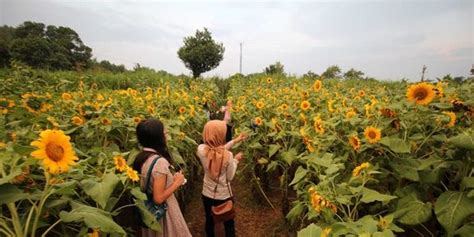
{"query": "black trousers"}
pixel 229 226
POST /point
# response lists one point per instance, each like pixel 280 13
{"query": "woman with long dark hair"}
pixel 151 135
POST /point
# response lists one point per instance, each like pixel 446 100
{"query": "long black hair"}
pixel 150 133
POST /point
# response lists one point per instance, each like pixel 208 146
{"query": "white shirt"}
pixel 227 174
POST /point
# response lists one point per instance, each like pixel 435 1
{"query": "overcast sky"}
pixel 384 39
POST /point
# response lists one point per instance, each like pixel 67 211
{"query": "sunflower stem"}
pixel 43 199
pixel 15 220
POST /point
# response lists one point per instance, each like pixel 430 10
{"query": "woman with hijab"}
pixel 219 166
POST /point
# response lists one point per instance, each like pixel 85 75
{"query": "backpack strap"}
pixel 150 169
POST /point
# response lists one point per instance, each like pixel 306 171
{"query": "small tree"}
pixel 332 72
pixel 200 53
pixel 276 68
pixel 352 73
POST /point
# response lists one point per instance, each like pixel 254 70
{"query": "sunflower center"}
pixel 420 94
pixel 372 134
pixel 55 152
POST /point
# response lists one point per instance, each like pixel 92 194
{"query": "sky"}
pixel 389 39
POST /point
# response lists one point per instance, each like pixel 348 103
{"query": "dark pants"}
pixel 229 226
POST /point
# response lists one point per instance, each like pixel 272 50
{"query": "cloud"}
pixel 385 39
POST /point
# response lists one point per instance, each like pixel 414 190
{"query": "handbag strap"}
pixel 150 169
pixel 226 180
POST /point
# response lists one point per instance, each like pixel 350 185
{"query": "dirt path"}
pixel 252 219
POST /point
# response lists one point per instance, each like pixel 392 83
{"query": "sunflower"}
pixel 66 96
pixel 421 93
pixel 304 94
pixel 77 120
pixel 372 134
pixel 452 118
pixel 258 121
pixel 330 107
pixel 351 113
pixel 55 150
pixel 318 126
pixel 361 93
pixel 358 169
pixel 260 105
pixel 317 85
pixel 181 110
pixel 150 109
pixel 5 104
pixel 120 163
pixel 355 142
pixel 284 106
pixel 52 121
pixel 32 102
pixel 269 80
pixel 2 145
pixel 318 202
pixel 106 121
pixel 305 105
pixel 132 174
pixel 326 232
pixel 95 233
pixel 137 119
pixel 439 89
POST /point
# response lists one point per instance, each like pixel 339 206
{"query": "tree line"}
pixel 48 47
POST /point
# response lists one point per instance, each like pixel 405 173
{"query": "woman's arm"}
pixel 160 192
pixel 232 168
pixel 240 138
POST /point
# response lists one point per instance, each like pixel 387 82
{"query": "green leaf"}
pixel 385 233
pixel 463 140
pixel 137 193
pixel 452 208
pixel 100 191
pixel 299 175
pixel 465 231
pixel 410 209
pixel 273 149
pixel 10 176
pixel 310 231
pixel 289 155
pixel 272 166
pixel 94 218
pixel 295 212
pixel 442 105
pixel 396 144
pixel 9 193
pixel 370 195
pixel 406 168
pixel 325 161
pixel 67 188
pixel 468 182
pixel 147 217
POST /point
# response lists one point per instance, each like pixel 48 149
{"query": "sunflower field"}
pixel 350 157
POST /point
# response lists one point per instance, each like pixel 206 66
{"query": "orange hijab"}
pixel 215 152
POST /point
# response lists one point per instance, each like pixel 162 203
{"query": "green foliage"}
pixel 332 72
pixel 353 74
pixel 276 68
pixel 200 53
pixel 41 46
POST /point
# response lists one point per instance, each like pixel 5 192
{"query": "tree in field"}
pixel 352 73
pixel 276 68
pixel 332 72
pixel 49 47
pixel 6 36
pixel 200 53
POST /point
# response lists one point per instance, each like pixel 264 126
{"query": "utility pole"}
pixel 240 69
pixel 423 73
